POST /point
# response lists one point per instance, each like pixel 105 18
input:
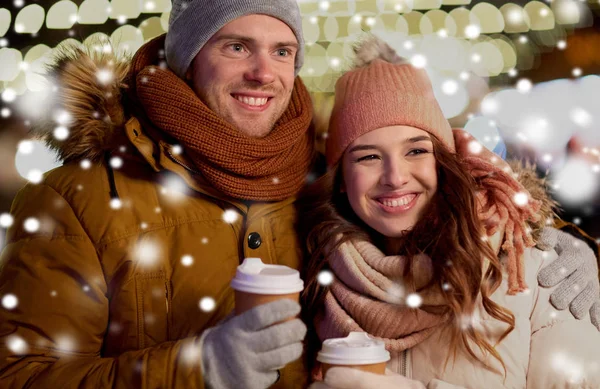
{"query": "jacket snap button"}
pixel 254 240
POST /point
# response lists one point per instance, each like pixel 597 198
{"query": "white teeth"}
pixel 399 202
pixel 253 101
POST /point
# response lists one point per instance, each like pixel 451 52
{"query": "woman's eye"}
pixel 370 157
pixel 417 151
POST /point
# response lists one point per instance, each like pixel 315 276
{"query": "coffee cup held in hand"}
pixel 358 350
pixel 256 283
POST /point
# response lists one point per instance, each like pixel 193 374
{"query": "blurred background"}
pixel 523 77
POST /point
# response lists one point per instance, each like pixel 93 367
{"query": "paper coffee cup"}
pixel 256 283
pixel 358 350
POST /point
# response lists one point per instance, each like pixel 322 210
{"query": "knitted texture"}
pixel 367 295
pixel 193 22
pixel 503 204
pixel 383 94
pixel 271 168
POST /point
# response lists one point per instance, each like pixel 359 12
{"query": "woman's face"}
pixel 390 176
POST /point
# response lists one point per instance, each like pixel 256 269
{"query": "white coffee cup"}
pixel 256 283
pixel 358 350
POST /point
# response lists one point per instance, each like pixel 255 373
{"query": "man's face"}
pixel 245 72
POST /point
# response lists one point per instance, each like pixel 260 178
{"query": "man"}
pixel 172 175
pixel 178 164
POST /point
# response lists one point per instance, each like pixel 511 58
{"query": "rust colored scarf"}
pixel 368 293
pixel 272 168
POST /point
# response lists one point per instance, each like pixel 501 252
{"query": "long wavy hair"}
pixel 449 228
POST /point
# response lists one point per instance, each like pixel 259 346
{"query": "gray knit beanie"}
pixel 194 22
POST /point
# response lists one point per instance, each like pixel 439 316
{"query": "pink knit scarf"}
pixel 368 295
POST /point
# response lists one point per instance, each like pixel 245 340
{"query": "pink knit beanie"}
pixel 382 91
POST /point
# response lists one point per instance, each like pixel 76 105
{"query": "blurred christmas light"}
pixel 5 113
pixel 9 95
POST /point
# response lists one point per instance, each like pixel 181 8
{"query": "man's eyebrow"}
pixel 246 39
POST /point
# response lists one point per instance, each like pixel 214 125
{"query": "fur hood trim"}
pixel 372 48
pixel 87 91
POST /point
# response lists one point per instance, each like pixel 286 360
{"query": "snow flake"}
pixel 475 147
pixel 325 277
pixel 116 203
pixel 116 162
pixel 10 301
pixel 413 300
pixel 31 224
pixel 6 220
pixel 521 199
pixel 85 164
pixel 187 260
pixel 16 344
pixel 147 252
pixel 207 304
pixel 104 76
pixel 204 240
pixel 230 216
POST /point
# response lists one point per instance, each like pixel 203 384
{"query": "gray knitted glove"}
pixel 576 269
pixel 245 351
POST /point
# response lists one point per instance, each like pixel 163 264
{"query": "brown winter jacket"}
pixel 104 298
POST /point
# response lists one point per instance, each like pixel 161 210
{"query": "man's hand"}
pixel 576 269
pixel 245 351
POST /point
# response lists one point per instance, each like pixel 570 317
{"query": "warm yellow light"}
pixel 164 20
pixel 490 18
pixel 127 39
pixel 465 21
pixel 311 30
pixel 5 18
pixel 62 15
pixel 151 28
pixel 10 60
pixel 125 9
pixel 541 16
pixel 30 19
pixel 331 28
pixel 427 4
pixel 515 18
pixel 94 12
pixel 155 6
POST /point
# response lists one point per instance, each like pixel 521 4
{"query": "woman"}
pixel 431 243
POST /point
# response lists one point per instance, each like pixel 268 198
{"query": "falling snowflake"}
pixel 61 133
pixel 86 288
pixel 275 180
pixel 116 162
pixel 16 344
pixel 116 204
pixel 475 147
pixel 419 61
pixel 65 343
pixel 146 252
pixel 191 353
pixel 35 176
pixel 143 226
pixel 177 149
pixel 5 113
pixel 230 216
pixel 524 85
pixel 10 301
pixel 157 210
pixel 204 241
pixel 9 95
pixel 521 199
pixel 207 304
pixel 413 300
pixel 104 76
pixel 6 220
pixel 25 147
pixel 325 277
pixel 187 260
pixel 31 224
pixel 53 293
pixel 85 164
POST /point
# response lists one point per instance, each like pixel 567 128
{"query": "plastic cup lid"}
pixel 253 276
pixel 358 348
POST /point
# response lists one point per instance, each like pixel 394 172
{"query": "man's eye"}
pixel 237 47
pixel 283 52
